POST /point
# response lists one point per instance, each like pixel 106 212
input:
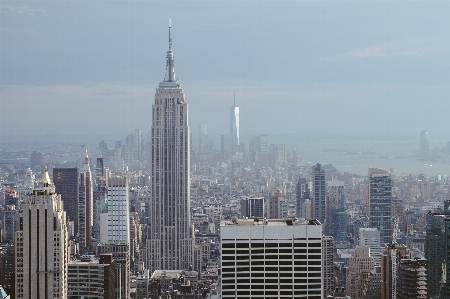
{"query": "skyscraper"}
pixel 380 198
pixel 41 244
pixel 85 204
pixel 272 259
pixel 302 193
pixel 424 145
pixel 118 211
pixel 319 193
pixel 172 241
pixel 66 185
pixel 360 261
pixel 203 139
pixel 234 126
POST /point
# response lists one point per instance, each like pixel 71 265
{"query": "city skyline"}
pixel 349 61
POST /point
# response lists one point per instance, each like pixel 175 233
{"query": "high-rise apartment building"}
pixel 271 259
pixel 328 265
pixel 171 241
pixel 41 244
pixel 380 199
pixel 66 185
pixel 85 204
pixel 319 193
pixel 424 145
pixel 118 211
pixel 234 127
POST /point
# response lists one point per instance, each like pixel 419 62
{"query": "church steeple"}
pixel 170 80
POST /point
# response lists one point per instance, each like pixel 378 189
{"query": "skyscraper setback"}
pixel 41 244
pixel 172 242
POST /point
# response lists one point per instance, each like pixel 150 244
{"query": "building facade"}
pixel 234 127
pixel 118 211
pixel 41 245
pixel 319 193
pixel 66 185
pixel 171 241
pixel 271 259
pixel 380 199
pixel 85 204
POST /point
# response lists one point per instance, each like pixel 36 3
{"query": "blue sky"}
pixel 321 67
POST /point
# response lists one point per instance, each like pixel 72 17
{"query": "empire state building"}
pixel 171 242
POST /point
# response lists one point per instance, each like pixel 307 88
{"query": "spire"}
pixel 234 103
pixel 170 35
pixel 170 80
pixel 46 178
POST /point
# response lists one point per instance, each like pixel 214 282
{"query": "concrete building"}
pixel 373 285
pixel 66 185
pixel 277 206
pixel 91 278
pixel 319 193
pixel 271 259
pixel 370 237
pixel 380 198
pixel 118 211
pixel 41 244
pixel 328 265
pixel 171 241
pixel 360 261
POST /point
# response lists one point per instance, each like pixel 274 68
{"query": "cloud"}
pixel 22 9
pixel 412 47
pixel 372 51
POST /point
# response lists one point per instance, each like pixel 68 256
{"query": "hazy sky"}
pixel 79 67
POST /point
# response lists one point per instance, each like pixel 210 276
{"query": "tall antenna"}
pixel 234 98
pixel 170 36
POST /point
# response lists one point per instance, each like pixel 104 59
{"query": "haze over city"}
pixel 89 69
